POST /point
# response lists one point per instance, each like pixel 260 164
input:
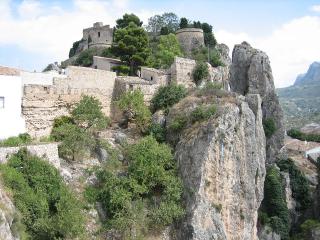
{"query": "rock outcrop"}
pixel 222 165
pixel 7 217
pixel 250 73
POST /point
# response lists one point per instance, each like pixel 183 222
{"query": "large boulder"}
pixel 222 165
pixel 250 73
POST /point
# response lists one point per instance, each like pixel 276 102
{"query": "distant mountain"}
pixel 301 102
pixel 311 77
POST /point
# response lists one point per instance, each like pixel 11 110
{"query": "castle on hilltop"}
pixel 46 96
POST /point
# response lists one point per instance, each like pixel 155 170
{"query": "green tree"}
pixel 133 106
pixel 85 58
pixel 200 72
pixel 167 23
pixel 184 23
pixel 88 114
pixel 127 19
pixel 209 39
pixel 269 127
pixel 167 96
pixel 164 31
pixel 167 49
pixel 131 44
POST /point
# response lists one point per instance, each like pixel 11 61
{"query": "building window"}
pixel 131 87
pixel 95 67
pixel 151 78
pixel 98 34
pixel 1 102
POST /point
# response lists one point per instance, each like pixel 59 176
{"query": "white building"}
pixel 11 92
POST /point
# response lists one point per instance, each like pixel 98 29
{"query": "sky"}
pixel 35 33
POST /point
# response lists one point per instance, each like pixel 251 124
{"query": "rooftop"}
pixel 9 71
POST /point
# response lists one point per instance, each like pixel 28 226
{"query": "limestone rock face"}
pixel 224 53
pixel 7 213
pixel 222 165
pixel 250 73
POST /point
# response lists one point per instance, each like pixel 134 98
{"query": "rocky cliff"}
pixel 250 73
pixel 222 164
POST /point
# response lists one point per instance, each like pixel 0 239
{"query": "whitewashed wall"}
pixel 39 78
pixel 11 121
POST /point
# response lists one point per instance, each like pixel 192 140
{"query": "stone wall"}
pixel 190 38
pixel 181 71
pixel 103 63
pixel 42 104
pixel 48 151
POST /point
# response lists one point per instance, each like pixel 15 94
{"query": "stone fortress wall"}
pixel 41 104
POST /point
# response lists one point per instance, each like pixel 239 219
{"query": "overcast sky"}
pixel 34 33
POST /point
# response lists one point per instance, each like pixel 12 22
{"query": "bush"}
pixel 269 127
pixel 85 58
pixel 48 209
pixel 200 72
pixel 203 113
pixel 299 184
pixel 201 55
pixel 88 114
pixel 167 96
pixel 147 196
pixel 74 48
pixel 21 139
pixel 274 203
pixel 178 124
pixel 158 132
pixel 121 70
pixel 295 133
pixel 132 104
pixel 76 142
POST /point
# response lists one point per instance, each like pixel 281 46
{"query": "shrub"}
pixel 299 184
pixel 167 96
pixel 158 132
pixel 269 127
pixel 274 203
pixel 48 209
pixel 200 72
pixel 85 58
pixel 202 54
pixel 295 133
pixel 121 70
pixel 76 142
pixel 132 103
pixel 88 114
pixel 21 139
pixel 179 123
pixel 147 196
pixel 74 48
pixel 202 113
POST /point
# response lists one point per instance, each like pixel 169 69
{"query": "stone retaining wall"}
pixel 47 151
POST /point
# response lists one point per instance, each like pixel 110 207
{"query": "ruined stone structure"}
pixel 41 104
pixel 103 63
pixel 98 35
pixel 190 38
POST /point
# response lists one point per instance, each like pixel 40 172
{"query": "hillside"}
pixel 301 102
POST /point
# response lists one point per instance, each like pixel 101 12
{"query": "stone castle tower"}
pixel 190 38
pixel 98 35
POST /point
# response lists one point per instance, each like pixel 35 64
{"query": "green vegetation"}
pixel 269 127
pixel 131 42
pixel 85 58
pixel 274 208
pixel 210 89
pixel 20 140
pixel 121 70
pixel 127 19
pixel 147 197
pixel 299 184
pixel 184 23
pixel 158 132
pixel 133 106
pixel 74 48
pixel 48 208
pixel 202 113
pixel 166 50
pixel 167 96
pixel 204 54
pixel 200 72
pixel 178 124
pixel 295 133
pixel 77 133
pixel 163 24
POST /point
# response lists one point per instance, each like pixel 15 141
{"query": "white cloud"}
pixel 292 47
pixel 50 31
pixel 315 8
